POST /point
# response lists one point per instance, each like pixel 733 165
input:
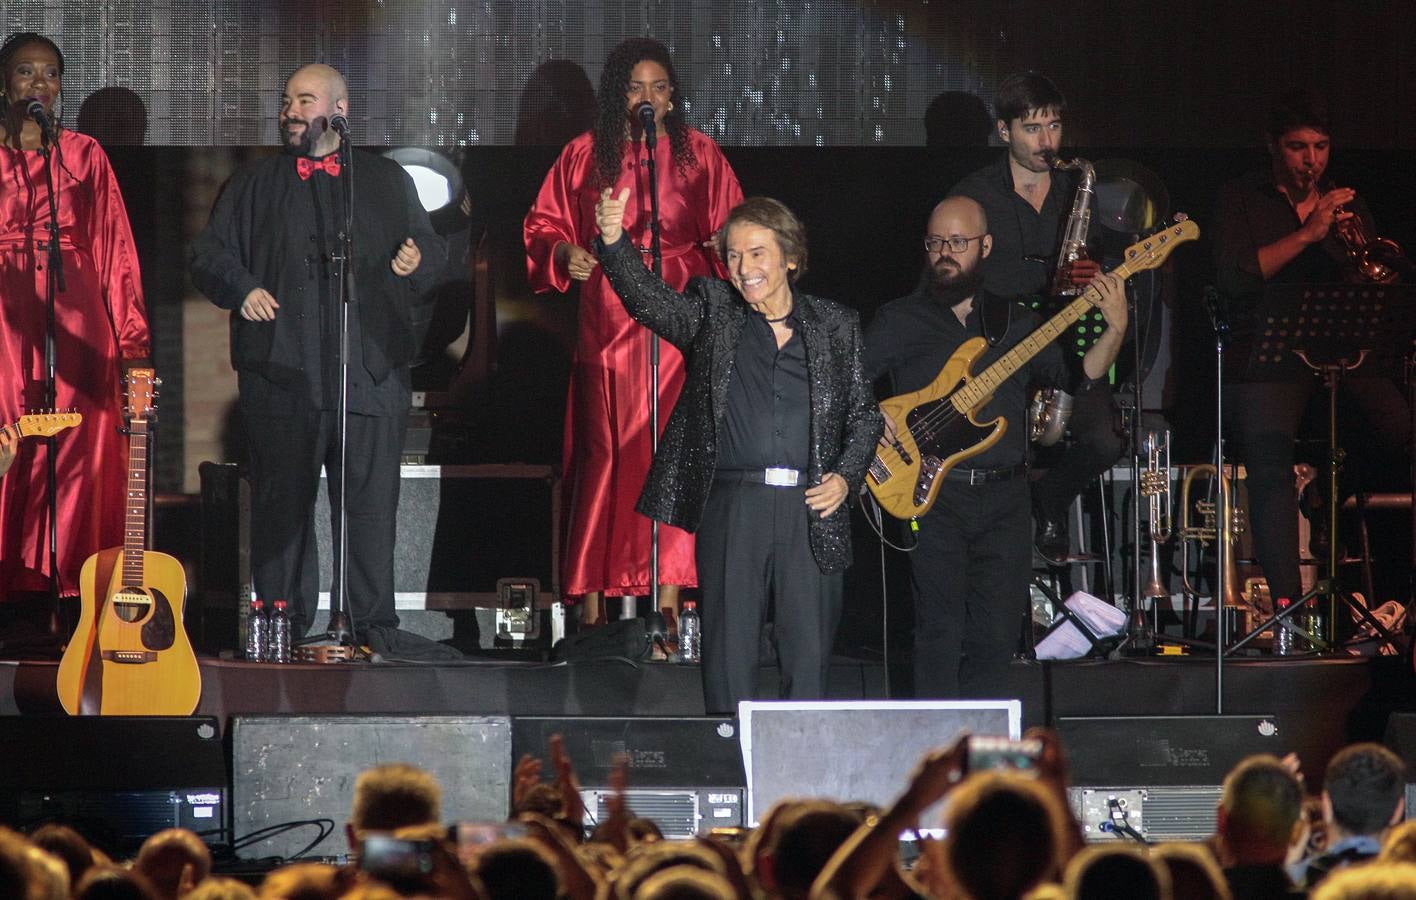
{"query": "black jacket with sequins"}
pixel 705 322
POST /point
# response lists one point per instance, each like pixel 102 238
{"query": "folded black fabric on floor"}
pixel 395 643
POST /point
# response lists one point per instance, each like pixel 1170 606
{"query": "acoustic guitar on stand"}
pixel 130 655
pixel 935 426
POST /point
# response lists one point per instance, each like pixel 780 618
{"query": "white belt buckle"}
pixel 778 477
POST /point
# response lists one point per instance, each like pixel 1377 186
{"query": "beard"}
pixel 302 145
pixel 952 285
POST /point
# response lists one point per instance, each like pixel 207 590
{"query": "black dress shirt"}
pixel 767 422
pixel 1251 213
pixel 1025 240
pixel 913 337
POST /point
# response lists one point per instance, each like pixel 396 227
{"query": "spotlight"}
pixel 436 177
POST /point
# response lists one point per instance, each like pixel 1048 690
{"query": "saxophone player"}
pixel 1027 201
pixel 1279 225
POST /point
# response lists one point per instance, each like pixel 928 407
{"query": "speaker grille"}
pixel 675 812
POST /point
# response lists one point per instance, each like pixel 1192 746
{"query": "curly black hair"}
pixel 20 39
pixel 610 104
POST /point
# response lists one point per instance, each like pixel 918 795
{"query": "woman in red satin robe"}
pixel 99 318
pixel 607 437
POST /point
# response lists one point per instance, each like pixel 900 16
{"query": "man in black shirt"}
pixel 268 256
pixel 1027 203
pixel 771 436
pixel 971 570
pixel 1276 226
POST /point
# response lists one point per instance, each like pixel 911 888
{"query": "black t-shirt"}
pixel 913 337
pixel 1025 240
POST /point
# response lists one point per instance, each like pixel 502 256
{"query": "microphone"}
pixel 1215 307
pixel 339 123
pixel 645 113
pixel 35 110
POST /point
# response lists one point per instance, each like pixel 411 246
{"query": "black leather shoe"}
pixel 1051 540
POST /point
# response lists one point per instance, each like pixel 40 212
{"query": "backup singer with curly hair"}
pixel 607 432
pixel 99 319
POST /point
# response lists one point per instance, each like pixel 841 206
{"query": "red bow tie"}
pixel 307 167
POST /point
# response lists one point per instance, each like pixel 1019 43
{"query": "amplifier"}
pixel 301 769
pixel 117 779
pixel 1167 813
pixel 820 749
pixel 685 774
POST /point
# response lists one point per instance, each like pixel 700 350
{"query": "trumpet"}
pixel 1208 530
pixel 1155 487
pixel 1375 259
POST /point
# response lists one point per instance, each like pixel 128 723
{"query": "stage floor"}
pixel 1322 704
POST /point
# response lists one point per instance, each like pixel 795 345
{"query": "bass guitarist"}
pixel 971 569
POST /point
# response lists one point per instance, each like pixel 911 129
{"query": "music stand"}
pixel 1329 329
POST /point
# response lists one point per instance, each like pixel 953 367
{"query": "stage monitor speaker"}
pixel 301 769
pixel 1157 775
pixel 117 779
pixel 1400 738
pixel 685 774
pixel 833 749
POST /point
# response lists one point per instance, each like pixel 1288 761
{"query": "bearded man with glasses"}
pixel 970 573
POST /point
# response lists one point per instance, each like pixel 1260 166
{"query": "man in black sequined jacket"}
pixel 772 434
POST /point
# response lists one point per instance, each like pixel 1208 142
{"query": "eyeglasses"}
pixel 957 244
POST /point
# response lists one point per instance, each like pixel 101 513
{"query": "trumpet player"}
pixel 1279 225
pixel 1026 199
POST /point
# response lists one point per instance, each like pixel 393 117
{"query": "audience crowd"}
pixel 1007 834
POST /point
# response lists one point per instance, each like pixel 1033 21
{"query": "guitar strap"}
pixel 995 318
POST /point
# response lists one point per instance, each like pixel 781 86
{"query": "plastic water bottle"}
pixel 257 627
pixel 279 635
pixel 690 628
pixel 1282 638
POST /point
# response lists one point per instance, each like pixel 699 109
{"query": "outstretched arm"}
pixel 673 316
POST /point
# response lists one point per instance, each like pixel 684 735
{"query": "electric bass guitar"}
pixel 936 428
pixel 130 655
pixel 42 424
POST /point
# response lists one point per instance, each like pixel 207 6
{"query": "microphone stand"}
pixel 340 629
pixel 54 284
pixel 656 252
pixel 1220 323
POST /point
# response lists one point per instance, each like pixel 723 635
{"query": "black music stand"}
pixel 1330 329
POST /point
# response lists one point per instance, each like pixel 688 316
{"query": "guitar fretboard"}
pixel 135 521
pixel 985 383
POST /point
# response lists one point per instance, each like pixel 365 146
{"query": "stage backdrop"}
pixel 792 72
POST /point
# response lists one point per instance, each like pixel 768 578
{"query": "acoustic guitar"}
pixel 42 424
pixel 936 428
pixel 130 655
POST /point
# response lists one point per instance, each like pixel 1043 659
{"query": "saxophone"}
pixel 1074 239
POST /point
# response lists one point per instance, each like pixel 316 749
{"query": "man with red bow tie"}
pixel 270 255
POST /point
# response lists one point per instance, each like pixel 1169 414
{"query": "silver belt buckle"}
pixel 976 476
pixel 779 477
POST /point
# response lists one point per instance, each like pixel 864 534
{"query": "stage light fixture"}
pixel 437 178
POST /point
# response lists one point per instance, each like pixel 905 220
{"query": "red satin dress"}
pixel 607 438
pixel 99 317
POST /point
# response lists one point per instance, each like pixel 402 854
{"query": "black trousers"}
pixel 1094 444
pixel 287 454
pixel 753 552
pixel 970 575
pixel 1263 419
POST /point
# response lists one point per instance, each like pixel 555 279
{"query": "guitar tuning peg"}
pixel 157 382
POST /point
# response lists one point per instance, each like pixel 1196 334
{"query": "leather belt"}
pixel 984 476
pixel 773 477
